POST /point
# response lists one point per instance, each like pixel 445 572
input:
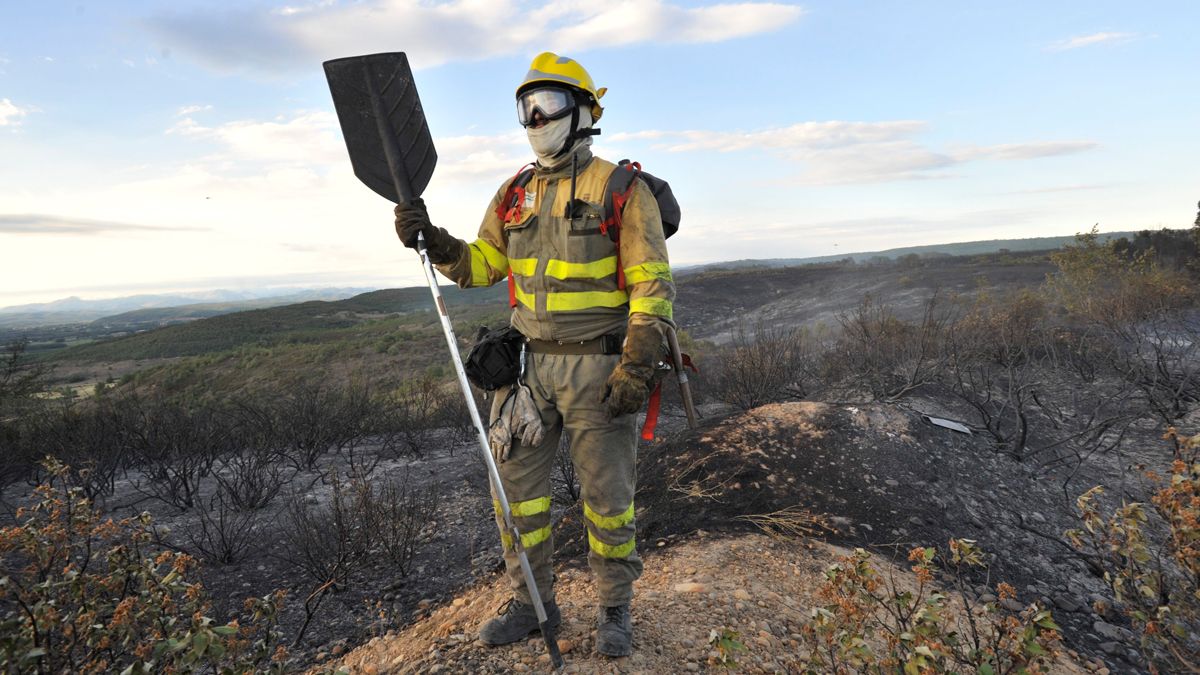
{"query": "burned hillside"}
pixel 904 423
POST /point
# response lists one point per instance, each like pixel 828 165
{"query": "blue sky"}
pixel 155 146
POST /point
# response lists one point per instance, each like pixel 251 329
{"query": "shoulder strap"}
pixel 616 193
pixel 510 205
pixel 509 209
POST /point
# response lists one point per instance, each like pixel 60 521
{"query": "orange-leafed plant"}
pixel 1150 554
pixel 84 594
pixel 872 622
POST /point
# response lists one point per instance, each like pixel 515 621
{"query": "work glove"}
pixel 518 419
pixel 412 219
pixel 630 383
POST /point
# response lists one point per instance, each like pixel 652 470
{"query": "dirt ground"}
pixel 757 587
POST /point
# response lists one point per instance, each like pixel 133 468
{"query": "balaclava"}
pixel 548 141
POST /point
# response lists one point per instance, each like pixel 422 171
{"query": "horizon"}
pixel 264 292
pixel 154 148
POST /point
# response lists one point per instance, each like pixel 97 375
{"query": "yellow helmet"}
pixel 551 68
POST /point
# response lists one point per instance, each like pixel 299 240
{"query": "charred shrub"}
pixel 763 366
pixel 886 356
pixel 223 533
pixel 398 515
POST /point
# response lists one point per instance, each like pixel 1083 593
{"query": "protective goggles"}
pixel 553 103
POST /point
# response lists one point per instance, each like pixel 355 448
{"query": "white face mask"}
pixel 548 140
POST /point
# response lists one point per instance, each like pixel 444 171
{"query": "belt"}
pixel 605 344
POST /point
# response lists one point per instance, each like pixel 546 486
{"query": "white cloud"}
pixel 454 30
pixel 1089 40
pixel 306 138
pixel 192 109
pixel 11 113
pixel 851 152
pixel 1033 150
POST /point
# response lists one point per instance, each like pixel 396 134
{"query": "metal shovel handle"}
pixel 493 472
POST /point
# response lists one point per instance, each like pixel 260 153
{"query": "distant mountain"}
pixel 160 309
pixel 963 248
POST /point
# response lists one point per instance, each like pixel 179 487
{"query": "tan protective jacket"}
pixel 566 273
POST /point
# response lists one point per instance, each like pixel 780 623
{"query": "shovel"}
pixel 392 152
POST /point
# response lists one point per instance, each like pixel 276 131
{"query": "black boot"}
pixel 516 621
pixel 614 635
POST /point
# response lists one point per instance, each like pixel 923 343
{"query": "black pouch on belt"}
pixel 494 361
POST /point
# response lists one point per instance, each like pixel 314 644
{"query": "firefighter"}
pixel 593 313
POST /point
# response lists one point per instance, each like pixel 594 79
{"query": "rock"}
pixel 459 602
pixel 692 667
pixel 1037 517
pixel 892 482
pixel 321 656
pixel 565 646
pixel 338 650
pixel 1067 602
pixel 1011 605
pixel 519 668
pixel 424 603
pixel 691 587
pixel 1107 630
pixel 370 669
pixel 741 594
pixel 1112 648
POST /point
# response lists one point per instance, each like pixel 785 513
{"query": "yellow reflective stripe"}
pixel 524 298
pixel 608 550
pixel 561 269
pixel 528 539
pixel 565 302
pixel 647 272
pixel 479 272
pixel 523 266
pixel 653 306
pixel 609 522
pixel 529 507
pixel 491 254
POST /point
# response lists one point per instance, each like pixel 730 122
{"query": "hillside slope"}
pixel 884 478
pixel 686 593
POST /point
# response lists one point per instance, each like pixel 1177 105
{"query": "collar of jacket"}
pixel 583 157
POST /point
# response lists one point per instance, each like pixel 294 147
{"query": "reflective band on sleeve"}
pixel 479 270
pixel 528 539
pixel 653 306
pixel 524 266
pixel 607 550
pixel 609 522
pixel 561 269
pixel 495 258
pixel 566 302
pixel 648 272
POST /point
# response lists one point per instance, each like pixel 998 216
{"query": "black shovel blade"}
pixel 383 123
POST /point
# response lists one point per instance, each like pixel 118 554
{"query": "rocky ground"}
pixel 752 586
pixel 886 478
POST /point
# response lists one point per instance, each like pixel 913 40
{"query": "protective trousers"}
pixel 568 391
